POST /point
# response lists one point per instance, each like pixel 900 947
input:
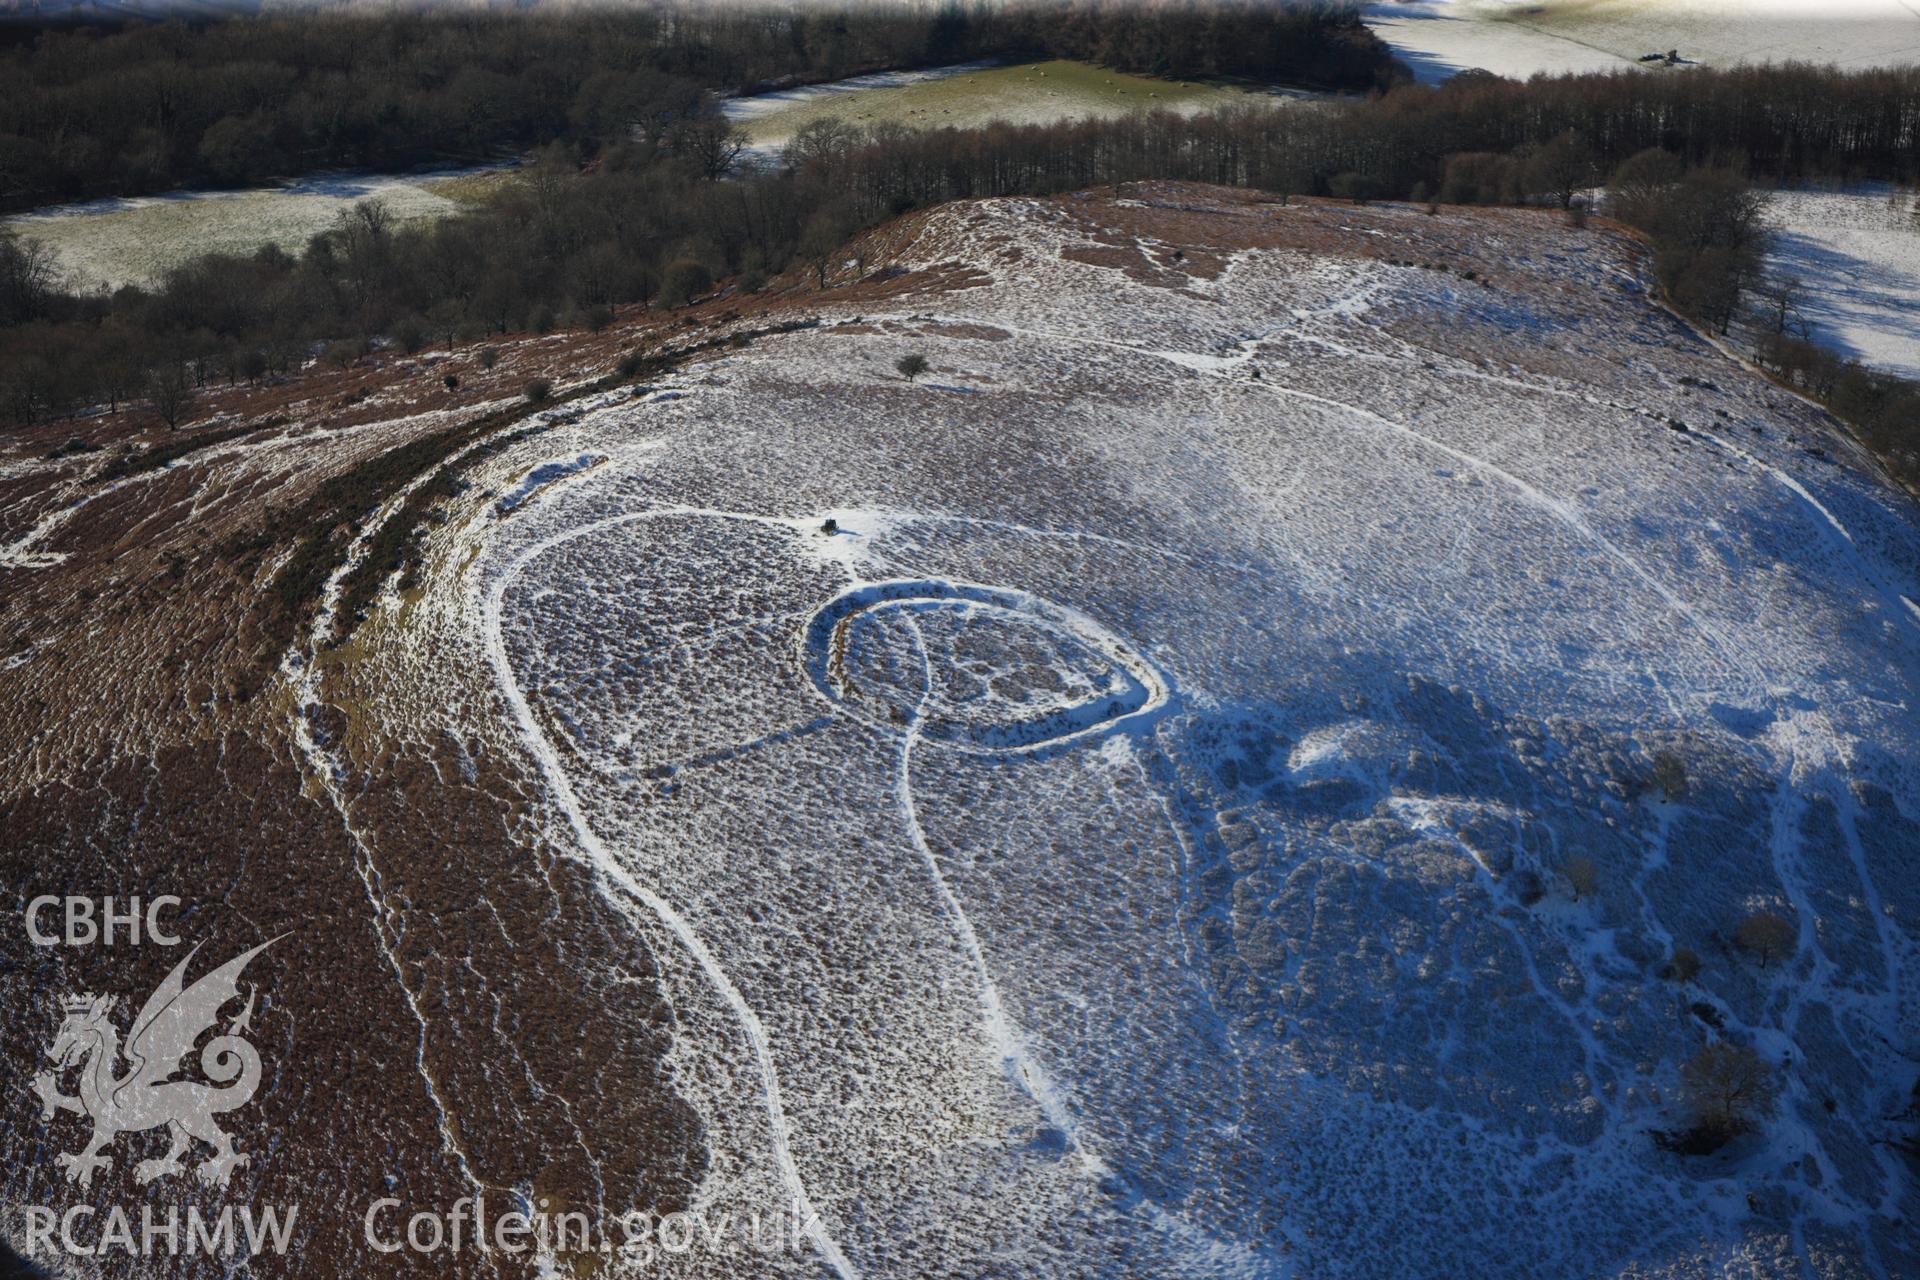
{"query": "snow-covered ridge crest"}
pixel 1398 505
pixel 1185 778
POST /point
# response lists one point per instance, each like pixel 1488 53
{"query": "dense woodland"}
pixel 656 217
pixel 91 112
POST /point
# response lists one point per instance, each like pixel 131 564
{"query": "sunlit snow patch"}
pixel 1008 671
pixel 543 475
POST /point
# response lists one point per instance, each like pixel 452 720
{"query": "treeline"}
pixel 1783 122
pixel 1708 230
pixel 1882 408
pixel 558 247
pixel 88 112
pixel 1472 140
pixel 651 221
pixel 1779 123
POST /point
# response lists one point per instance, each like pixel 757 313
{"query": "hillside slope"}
pixel 1131 839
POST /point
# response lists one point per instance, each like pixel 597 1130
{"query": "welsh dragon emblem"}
pixel 146 1096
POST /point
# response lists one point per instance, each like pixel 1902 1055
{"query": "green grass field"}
pixel 1028 93
pixel 110 243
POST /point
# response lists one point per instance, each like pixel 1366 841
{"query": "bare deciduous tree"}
pixel 1669 775
pixel 1560 167
pixel 1729 1088
pixel 1582 877
pixel 713 144
pixel 170 390
pixel 1781 298
pixel 1767 936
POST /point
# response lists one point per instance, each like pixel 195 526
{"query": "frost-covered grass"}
pixel 1856 253
pixel 1440 39
pixel 1116 840
pixel 966 97
pixel 1519 38
pixel 108 243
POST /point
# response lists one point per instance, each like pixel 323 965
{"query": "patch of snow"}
pixel 547 473
pixel 1520 38
pixel 1856 253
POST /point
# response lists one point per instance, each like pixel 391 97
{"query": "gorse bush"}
pixel 684 280
pixel 1682 966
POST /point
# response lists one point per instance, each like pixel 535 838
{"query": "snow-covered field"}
pixel 1519 38
pixel 1115 845
pixel 976 94
pixel 1856 253
pixel 104 244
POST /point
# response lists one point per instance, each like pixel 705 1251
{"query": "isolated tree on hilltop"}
pixel 911 366
pixel 1730 1090
pixel 1669 775
pixel 1767 937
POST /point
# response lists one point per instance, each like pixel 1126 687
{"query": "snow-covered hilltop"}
pixel 1519 38
pixel 1258 761
pixel 1436 533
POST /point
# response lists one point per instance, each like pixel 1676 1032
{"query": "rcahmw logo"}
pixel 85 1232
pixel 133 1087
